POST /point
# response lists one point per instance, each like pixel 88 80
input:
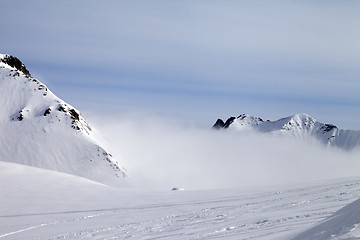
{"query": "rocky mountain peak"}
pixel 41 130
pixel 15 63
pixel 297 126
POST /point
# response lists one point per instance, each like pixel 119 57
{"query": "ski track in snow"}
pixel 226 214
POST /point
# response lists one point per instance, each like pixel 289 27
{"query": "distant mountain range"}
pixel 39 129
pixel 299 126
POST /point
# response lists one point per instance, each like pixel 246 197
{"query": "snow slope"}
pixel 39 129
pixel 343 224
pixel 42 204
pixel 299 126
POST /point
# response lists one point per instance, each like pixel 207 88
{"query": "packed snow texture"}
pixel 299 126
pixel 39 129
pixel 42 204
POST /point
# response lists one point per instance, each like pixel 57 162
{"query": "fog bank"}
pixel 161 153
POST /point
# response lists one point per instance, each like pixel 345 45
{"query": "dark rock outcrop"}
pixel 229 121
pixel 328 127
pixel 16 63
pixel 219 124
pixel 47 111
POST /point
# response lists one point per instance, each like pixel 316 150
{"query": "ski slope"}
pixel 43 204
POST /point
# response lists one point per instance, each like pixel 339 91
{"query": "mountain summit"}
pixel 298 125
pixel 41 130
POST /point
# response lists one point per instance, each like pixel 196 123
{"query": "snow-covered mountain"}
pixel 39 129
pixel 298 125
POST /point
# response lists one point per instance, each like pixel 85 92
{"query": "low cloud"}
pixel 161 153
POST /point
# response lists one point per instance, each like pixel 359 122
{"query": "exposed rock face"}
pixel 15 63
pixel 228 122
pixel 78 122
pixel 219 124
pixel 47 111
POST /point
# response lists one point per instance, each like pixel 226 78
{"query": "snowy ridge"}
pixel 41 130
pixel 299 126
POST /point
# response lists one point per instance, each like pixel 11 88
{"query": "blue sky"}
pixel 193 60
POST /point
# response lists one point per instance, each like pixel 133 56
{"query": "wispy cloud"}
pixel 242 54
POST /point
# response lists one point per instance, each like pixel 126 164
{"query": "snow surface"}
pixel 343 224
pixel 300 126
pixel 42 204
pixel 39 129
